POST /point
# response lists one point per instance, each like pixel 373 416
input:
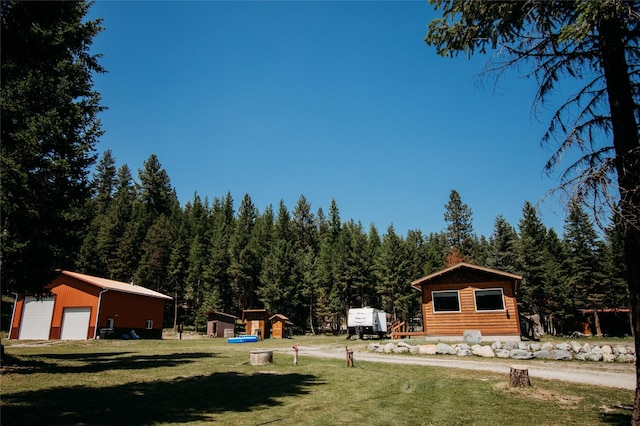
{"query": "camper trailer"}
pixel 367 321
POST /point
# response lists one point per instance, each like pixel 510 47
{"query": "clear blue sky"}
pixel 332 99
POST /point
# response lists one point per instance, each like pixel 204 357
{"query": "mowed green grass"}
pixel 205 381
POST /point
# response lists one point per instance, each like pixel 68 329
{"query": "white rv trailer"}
pixel 367 321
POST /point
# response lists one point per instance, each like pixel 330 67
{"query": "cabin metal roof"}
pixel 107 284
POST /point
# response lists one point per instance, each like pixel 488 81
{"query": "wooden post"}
pixel 295 355
pixel 349 356
pixel 519 376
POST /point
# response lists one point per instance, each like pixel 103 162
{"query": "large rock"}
pixel 509 345
pixel 561 355
pixel 575 347
pixel 402 344
pixel 427 349
pixel 606 349
pixel 535 347
pixel 520 354
pixel 496 345
pixel 389 347
pixel 593 356
pixel 483 351
pixel 444 349
pixel 563 347
pixel 547 346
pixel 542 354
pixel 502 353
pixel 400 350
pixel 464 352
pixel 608 357
pixel 626 358
pixel 472 336
pixel 373 347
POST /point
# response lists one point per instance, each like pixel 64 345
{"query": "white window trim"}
pixel 475 301
pixel 148 325
pixel 433 302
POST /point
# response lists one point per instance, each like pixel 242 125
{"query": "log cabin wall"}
pixel 502 322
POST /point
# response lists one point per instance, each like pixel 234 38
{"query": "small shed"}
pixel 83 307
pixel 257 322
pixel 218 323
pixel 281 327
pixel 469 297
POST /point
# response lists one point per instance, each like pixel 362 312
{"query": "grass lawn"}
pixel 203 381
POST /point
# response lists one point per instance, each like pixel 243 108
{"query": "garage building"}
pixel 84 307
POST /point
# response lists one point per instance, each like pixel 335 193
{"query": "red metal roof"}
pixel 106 284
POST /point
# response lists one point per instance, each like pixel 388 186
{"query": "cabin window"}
pixel 149 325
pixel 445 301
pixel 489 300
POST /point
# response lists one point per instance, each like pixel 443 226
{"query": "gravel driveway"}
pixel 599 374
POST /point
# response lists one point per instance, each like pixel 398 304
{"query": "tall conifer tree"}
pixel 49 129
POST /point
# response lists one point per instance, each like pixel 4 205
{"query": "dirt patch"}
pixel 535 393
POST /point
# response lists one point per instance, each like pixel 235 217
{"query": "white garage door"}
pixel 36 318
pixel 75 323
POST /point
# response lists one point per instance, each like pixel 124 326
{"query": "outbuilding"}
pixel 281 327
pixel 467 297
pixel 220 324
pixel 256 322
pixel 84 307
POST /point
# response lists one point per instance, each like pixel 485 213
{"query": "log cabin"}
pixel 468 297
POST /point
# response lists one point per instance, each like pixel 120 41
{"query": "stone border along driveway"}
pixel 615 375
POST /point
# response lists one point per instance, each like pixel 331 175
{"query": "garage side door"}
pixel 36 318
pixel 75 323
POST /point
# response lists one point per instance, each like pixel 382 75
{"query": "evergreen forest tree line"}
pixel 308 265
pixel 313 266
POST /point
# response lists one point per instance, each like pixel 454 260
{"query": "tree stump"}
pixel 261 357
pixel 519 376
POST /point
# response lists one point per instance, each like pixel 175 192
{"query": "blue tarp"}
pixel 242 339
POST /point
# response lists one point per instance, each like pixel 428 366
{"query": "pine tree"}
pixel 49 128
pixel 156 251
pixel 532 246
pixel 216 271
pixel 104 181
pixel 90 258
pixel 155 190
pixel 304 235
pixel 120 239
pixel 392 266
pixel 244 269
pixel 584 264
pixel 503 254
pixel 436 250
pixel 556 289
pixel 460 236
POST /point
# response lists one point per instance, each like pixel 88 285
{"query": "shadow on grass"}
pixel 617 418
pixel 96 362
pixel 181 400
